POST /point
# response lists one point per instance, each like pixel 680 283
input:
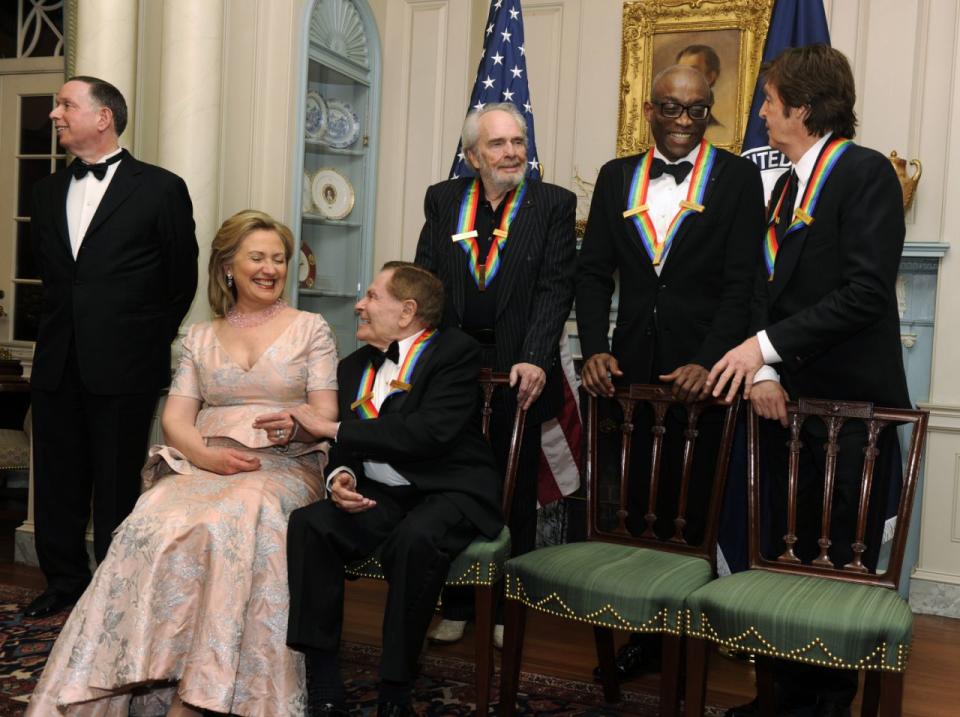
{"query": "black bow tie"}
pixel 377 357
pixel 678 171
pixel 80 168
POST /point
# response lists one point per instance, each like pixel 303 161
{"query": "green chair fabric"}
pixel 805 619
pixel 480 563
pixel 607 584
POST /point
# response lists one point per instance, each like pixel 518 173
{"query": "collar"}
pixel 403 345
pixel 692 157
pixel 804 168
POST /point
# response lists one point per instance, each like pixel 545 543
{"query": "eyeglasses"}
pixel 672 110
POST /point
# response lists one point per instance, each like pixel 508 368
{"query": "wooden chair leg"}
pixel 514 622
pixel 891 694
pixel 607 658
pixel 870 704
pixel 766 687
pixel 485 602
pixel 670 676
pixel 698 654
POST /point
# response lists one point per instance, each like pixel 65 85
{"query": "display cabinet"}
pixel 339 149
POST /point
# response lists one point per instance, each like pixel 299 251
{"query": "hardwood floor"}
pixel 565 649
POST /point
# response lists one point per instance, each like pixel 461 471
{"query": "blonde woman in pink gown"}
pixel 189 609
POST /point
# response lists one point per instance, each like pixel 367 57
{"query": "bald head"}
pixel 687 75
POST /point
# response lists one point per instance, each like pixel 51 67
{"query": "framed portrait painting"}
pixel 722 38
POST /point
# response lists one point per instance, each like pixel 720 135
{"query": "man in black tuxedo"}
pixel 679 311
pixel 114 241
pixel 411 471
pixel 825 314
pixel 518 313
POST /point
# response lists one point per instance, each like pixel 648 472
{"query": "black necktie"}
pixel 80 168
pixel 377 357
pixel 678 171
pixel 786 210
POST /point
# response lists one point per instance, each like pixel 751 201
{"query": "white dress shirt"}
pixel 803 168
pixel 380 471
pixel 83 199
pixel 663 199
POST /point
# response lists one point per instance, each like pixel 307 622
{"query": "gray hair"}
pixel 471 125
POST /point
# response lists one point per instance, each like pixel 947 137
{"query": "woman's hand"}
pixel 227 461
pixel 314 423
pixel 280 427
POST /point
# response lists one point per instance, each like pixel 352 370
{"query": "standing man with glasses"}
pixel 114 240
pixel 681 225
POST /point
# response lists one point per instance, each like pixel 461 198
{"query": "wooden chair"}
pixel 616 580
pixel 841 617
pixel 480 565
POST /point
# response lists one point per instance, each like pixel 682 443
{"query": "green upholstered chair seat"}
pixel 480 563
pixel 609 585
pixel 805 619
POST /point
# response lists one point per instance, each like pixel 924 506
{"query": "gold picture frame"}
pixel 654 31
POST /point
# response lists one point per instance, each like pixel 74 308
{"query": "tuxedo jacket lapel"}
pixel 630 229
pixel 395 401
pixel 60 189
pixel 123 184
pixel 676 250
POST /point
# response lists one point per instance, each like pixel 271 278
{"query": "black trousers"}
pixel 458 602
pixel 84 445
pixel 798 683
pixel 420 533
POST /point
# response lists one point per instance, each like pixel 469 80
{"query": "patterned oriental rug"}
pixel 445 686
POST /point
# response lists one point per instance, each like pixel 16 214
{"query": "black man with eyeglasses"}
pixel 681 225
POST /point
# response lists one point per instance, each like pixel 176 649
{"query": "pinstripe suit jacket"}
pixel 535 294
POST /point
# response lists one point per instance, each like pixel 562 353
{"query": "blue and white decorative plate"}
pixel 317 115
pixel 343 127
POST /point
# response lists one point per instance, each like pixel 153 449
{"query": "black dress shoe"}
pixel 748 710
pixel 634 659
pixel 328 709
pixel 50 602
pixel 830 708
pixel 394 709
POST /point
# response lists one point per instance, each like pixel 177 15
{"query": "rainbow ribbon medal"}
pixel 484 273
pixel 364 405
pixel 638 209
pixel 803 216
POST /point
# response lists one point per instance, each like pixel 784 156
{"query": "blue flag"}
pixel 502 77
pixel 794 23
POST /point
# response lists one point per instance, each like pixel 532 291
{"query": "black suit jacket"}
pixel 535 291
pixel 431 435
pixel 123 298
pixel 831 309
pixel 698 307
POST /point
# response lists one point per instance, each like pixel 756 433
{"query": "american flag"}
pixel 502 77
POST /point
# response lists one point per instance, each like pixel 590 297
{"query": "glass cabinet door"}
pixel 340 118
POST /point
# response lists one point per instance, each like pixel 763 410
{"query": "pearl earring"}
pixel 229 280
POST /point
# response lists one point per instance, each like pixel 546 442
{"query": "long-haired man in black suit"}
pixel 517 313
pixel 825 314
pixel 114 240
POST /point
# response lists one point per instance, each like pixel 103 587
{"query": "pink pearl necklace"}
pixel 243 320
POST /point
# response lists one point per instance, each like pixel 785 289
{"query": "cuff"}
pixel 340 469
pixel 770 354
pixel 766 373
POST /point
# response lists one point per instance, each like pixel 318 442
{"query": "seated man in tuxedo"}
pixel 412 472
